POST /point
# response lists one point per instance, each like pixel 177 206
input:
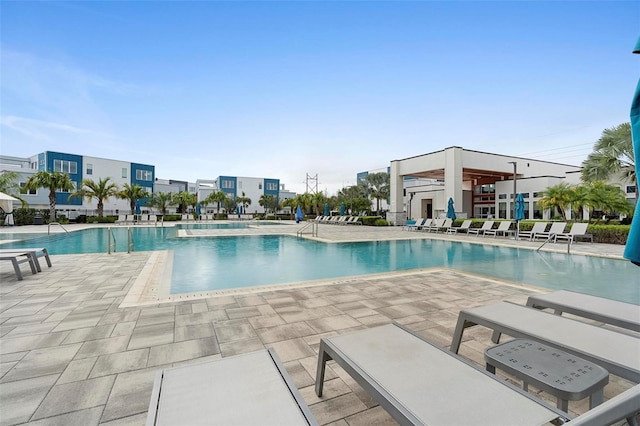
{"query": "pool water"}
pixel 209 264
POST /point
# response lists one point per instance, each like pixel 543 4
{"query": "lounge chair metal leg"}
pixel 457 334
pixel 46 257
pixel 323 357
pixel 495 337
pixel 16 267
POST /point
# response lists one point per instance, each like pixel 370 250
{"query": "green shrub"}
pixel 380 222
pixel 610 234
pixel 105 219
pixel 369 220
pixel 23 216
pixel 82 218
pixel 171 217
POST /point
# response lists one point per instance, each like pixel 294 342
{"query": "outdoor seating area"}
pixel 95 362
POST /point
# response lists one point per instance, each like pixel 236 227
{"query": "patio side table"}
pixel 565 376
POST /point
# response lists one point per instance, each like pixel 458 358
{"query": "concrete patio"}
pixel 70 354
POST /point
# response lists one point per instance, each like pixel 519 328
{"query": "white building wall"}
pixel 103 168
pixel 253 188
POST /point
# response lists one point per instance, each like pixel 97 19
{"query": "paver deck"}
pixel 70 354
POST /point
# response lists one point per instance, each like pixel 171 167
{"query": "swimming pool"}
pixel 206 264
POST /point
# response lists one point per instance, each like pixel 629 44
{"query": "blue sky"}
pixel 285 89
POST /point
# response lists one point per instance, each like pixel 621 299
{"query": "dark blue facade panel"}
pixel 143 175
pixel 228 185
pixel 67 163
pixel 272 187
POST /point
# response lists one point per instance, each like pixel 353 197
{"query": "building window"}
pixel 144 175
pixel 525 195
pixel 259 186
pixel 72 190
pixel 227 184
pixel 65 166
pixel 502 210
pixel 536 194
pixel 272 186
pixel 27 192
pixel 502 196
pixel 89 169
pixel 631 189
pixel 124 172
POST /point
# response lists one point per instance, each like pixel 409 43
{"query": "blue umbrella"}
pixel 299 215
pixel 632 249
pixel 326 209
pixel 451 212
pixel 519 214
pixel 137 208
pixel 198 209
pixel 341 209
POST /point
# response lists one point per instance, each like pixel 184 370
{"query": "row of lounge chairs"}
pixel 136 219
pixel 431 225
pixel 539 231
pixel 338 220
pixel 415 381
pixel 25 255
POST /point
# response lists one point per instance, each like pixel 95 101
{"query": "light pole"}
pixel 515 171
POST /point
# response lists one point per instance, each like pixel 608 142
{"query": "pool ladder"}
pixel 313 225
pixel 112 238
pixel 553 236
pixel 55 223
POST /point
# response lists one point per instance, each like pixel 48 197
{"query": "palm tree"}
pixel 184 199
pixel 269 202
pixel 354 196
pixel 613 154
pixel 133 193
pixel 100 190
pixel 244 201
pixel 608 198
pixel 318 199
pixel 9 185
pixel 377 187
pixel 557 197
pixel 230 204
pixel 52 180
pixel 216 197
pixel 161 201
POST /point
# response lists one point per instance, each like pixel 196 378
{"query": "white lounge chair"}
pixel 578 230
pixel 414 226
pixel 16 259
pixel 34 253
pixel 419 383
pixel 248 389
pixel 614 312
pixel 446 225
pixel 503 228
pixel 620 354
pixel 488 224
pixel 466 225
pixel 434 226
pixel 556 228
pixel 538 227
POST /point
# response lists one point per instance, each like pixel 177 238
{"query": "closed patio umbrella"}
pixel 299 215
pixel 519 212
pixel 632 248
pixel 341 209
pixel 451 211
pixel 326 209
pixel 198 209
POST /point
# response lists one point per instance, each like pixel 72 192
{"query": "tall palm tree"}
pixel 100 190
pixel 52 180
pixel 133 193
pixel 318 199
pixel 613 154
pixel 216 197
pixel 161 201
pixel 557 197
pixel 377 187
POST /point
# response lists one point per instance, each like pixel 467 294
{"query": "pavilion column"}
pixel 396 213
pixel 453 178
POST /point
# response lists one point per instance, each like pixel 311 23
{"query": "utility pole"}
pixel 312 184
